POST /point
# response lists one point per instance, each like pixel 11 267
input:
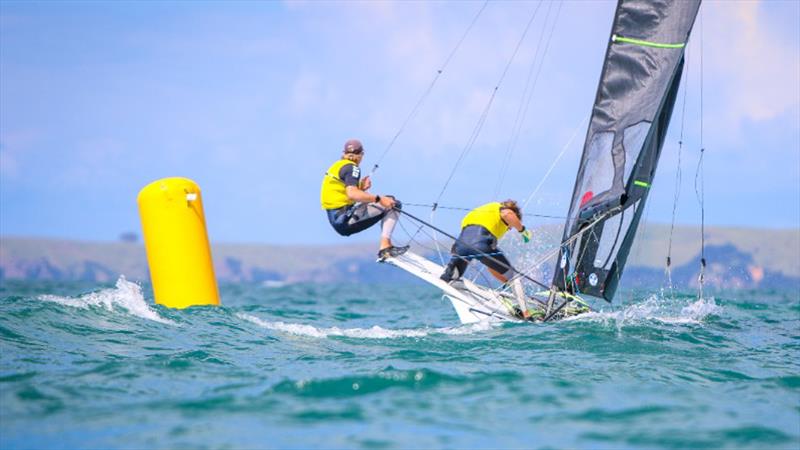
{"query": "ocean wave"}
pixel 389 378
pixel 374 332
pixel 657 308
pixel 126 295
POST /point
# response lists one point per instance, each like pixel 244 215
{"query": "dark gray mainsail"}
pixel 631 113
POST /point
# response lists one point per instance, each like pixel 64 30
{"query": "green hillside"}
pixel 777 251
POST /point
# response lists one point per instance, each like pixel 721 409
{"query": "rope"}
pixel 700 193
pixel 527 95
pixel 427 92
pixel 482 120
pixel 553 165
pixel 518 274
pixel 678 178
pixel 421 100
pixel 479 299
pixel 507 266
pixel 571 240
pixel 431 249
pixel 457 208
pixel 436 237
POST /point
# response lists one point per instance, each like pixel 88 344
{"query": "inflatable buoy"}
pixel 176 241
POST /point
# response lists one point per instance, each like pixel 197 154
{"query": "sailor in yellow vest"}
pixel 351 208
pixel 481 228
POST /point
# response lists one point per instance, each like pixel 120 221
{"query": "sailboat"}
pixel 635 98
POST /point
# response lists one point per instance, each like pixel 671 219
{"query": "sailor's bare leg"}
pixel 519 292
pixel 388 223
pixel 502 278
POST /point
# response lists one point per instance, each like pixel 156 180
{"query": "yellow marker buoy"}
pixel 176 241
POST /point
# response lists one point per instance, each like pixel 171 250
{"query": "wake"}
pixel 656 308
pixel 374 332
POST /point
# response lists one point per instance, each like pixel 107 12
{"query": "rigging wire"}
pixel 479 125
pixel 487 255
pixel 700 192
pixel 457 208
pixel 425 95
pixel 555 162
pixel 413 239
pixel 497 296
pixel 572 239
pixel 482 119
pixel 518 274
pixel 427 91
pixel 527 95
pixel 678 178
pixel 553 252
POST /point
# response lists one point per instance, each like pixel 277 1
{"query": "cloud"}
pixel 390 54
pixel 13 148
pixel 754 62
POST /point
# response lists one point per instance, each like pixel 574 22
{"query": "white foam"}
pixel 375 332
pixel 701 308
pixel 658 309
pixel 125 294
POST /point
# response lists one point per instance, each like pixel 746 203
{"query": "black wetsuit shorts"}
pixel 476 242
pixel 358 217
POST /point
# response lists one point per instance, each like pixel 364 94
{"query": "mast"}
pixel 632 109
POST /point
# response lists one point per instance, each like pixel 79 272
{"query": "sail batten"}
pixel 629 40
pixel 633 105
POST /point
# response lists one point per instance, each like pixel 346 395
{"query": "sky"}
pixel 254 100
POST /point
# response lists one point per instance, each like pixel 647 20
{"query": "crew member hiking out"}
pixel 349 205
pixel 481 228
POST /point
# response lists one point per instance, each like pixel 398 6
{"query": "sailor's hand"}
pixel 526 235
pixel 387 201
pixel 366 183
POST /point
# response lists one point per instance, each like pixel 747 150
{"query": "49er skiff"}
pixel 635 97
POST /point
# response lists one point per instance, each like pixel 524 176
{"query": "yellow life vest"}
pixel 332 194
pixel 487 216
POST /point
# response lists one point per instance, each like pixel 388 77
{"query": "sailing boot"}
pixel 450 273
pixel 391 252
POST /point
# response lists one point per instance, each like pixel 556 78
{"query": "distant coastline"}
pixel 737 258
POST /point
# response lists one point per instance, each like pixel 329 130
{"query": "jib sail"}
pixel 632 109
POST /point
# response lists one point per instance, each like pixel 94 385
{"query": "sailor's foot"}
pixel 450 273
pixel 391 252
pixel 457 283
pixel 524 315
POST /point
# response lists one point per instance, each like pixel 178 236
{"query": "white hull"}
pixel 472 303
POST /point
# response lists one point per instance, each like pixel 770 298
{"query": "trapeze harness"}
pixel 346 216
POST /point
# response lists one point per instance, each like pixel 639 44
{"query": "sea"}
pixel 365 366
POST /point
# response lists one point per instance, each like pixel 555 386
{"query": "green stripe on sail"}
pixel 641 183
pixel 616 38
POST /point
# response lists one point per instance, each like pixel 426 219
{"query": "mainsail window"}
pixel 632 141
pixel 614 230
pixel 599 167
